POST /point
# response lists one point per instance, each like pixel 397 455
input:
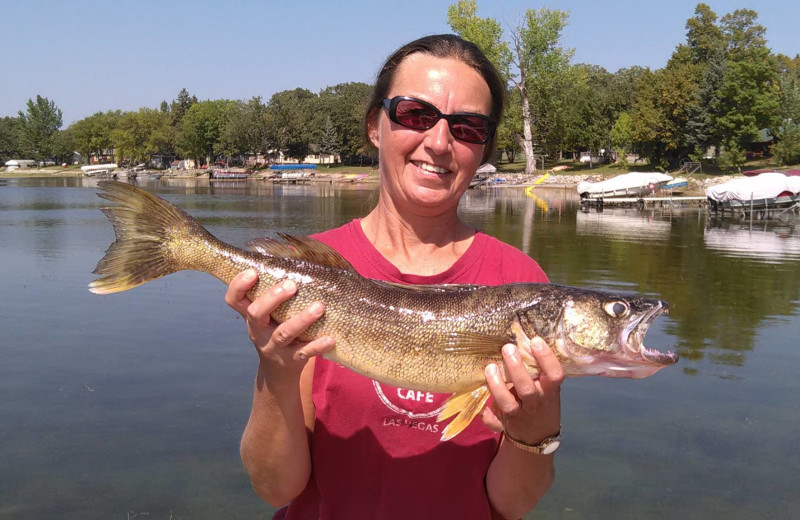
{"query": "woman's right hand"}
pixel 281 356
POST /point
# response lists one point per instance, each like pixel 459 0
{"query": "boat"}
pixel 754 173
pixel 98 170
pixel 679 182
pixel 633 184
pixel 766 191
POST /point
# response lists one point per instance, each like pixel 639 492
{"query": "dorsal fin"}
pixel 300 248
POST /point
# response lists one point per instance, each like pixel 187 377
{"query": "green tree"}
pixel 92 135
pixel 622 137
pixel 246 130
pixel 661 111
pixel 486 33
pixel 290 122
pixel 540 68
pixel 138 135
pixel 63 146
pixel 10 128
pixel 345 104
pixel 703 37
pixel 329 140
pixel 181 105
pixel 202 128
pixel 39 125
pixel 748 99
pixel 787 133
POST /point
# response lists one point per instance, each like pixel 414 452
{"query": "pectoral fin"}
pixel 472 343
pixel 464 406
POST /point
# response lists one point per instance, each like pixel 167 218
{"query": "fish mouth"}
pixel 633 336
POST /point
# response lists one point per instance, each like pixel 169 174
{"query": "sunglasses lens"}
pixel 470 129
pixel 416 115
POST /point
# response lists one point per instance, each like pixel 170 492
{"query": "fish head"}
pixel 603 334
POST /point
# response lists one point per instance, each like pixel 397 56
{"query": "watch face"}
pixel 551 447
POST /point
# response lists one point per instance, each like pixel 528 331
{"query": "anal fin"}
pixel 464 406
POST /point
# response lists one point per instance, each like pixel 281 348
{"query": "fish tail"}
pixel 147 228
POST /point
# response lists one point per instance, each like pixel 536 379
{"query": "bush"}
pixel 787 151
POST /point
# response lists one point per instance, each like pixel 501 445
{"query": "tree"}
pixel 138 135
pixel 202 128
pixel 10 128
pixel 622 137
pixel 748 99
pixel 180 106
pixel 703 37
pixel 660 113
pixel 345 104
pixel 39 125
pixel 92 135
pixel 787 149
pixel 541 66
pixel 329 141
pixel 246 130
pixel 486 33
pixel 290 114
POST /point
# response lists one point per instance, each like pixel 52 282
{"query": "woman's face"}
pixel 427 171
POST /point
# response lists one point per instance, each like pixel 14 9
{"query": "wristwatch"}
pixel 546 447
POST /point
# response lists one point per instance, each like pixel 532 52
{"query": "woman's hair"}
pixel 445 46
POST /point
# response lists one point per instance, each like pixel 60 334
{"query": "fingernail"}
pixel 249 275
pixel 537 343
pixel 491 370
pixel 288 286
pixel 509 350
pixel 315 309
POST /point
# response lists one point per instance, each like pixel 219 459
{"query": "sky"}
pixel 91 56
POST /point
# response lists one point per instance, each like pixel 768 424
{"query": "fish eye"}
pixel 616 309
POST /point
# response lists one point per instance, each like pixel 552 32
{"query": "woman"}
pixel 333 443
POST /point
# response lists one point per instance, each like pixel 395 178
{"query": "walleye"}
pixel 434 338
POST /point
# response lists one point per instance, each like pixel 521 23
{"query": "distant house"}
pixel 160 161
pixel 15 164
pixel 181 164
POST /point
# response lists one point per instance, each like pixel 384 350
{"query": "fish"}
pixel 432 338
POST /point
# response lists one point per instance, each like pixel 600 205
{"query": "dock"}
pixel 642 202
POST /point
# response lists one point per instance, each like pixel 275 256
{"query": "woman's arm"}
pixel 274 446
pixel 529 412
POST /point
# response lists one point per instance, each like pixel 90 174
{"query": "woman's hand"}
pixel 282 358
pixel 530 411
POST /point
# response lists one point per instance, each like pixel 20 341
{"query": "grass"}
pixel 576 168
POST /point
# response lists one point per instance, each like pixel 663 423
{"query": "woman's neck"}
pixel 421 245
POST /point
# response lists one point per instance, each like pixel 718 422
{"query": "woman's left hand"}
pixel 530 410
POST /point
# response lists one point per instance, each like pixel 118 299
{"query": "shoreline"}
pixel 506 180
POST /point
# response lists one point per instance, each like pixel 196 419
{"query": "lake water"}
pixel 132 405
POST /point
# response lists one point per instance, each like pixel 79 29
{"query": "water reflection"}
pixel 771 242
pixel 623 224
pixel 151 388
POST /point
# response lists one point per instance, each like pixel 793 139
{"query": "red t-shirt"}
pixel 375 450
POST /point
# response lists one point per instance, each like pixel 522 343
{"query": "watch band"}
pixel 546 447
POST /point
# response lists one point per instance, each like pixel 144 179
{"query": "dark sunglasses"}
pixel 419 115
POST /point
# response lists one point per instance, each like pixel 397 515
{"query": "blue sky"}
pixel 91 56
